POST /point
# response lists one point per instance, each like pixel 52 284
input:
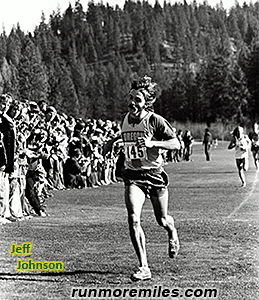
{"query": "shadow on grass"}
pixel 37 276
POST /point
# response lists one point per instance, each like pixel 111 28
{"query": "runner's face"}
pixel 136 103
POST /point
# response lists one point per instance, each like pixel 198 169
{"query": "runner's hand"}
pixel 143 142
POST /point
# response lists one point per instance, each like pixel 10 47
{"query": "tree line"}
pixel 205 60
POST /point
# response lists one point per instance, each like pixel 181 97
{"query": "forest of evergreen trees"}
pixel 205 60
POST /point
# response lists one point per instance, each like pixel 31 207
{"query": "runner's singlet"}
pixel 241 149
pixel 139 158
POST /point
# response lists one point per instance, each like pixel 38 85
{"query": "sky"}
pixel 28 12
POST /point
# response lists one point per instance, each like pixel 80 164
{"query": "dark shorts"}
pixel 150 179
pixel 242 163
pixel 255 150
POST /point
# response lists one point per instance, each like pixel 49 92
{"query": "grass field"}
pixel 217 222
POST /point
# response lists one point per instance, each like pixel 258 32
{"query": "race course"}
pixel 87 230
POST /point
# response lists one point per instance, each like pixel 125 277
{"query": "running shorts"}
pixel 156 178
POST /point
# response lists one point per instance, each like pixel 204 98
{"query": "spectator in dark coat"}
pixel 7 131
pixel 207 142
pixel 73 176
pixel 7 150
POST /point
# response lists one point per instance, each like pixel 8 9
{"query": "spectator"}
pixel 207 142
pixel 73 176
pixel 188 142
pixel 254 138
pixel 35 177
pixel 179 153
pixel 7 150
pixel 43 106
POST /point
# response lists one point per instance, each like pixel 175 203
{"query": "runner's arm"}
pixel 171 144
pixel 232 143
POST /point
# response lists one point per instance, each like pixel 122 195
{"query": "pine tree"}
pixel 95 20
pixel 237 108
pixel 92 56
pixel 33 81
pixel 215 88
pixel 250 66
pixel 137 27
pixel 3 48
pixel 63 96
pixel 233 27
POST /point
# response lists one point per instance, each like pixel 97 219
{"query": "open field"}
pixel 217 223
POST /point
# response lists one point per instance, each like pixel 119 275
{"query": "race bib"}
pixel 132 151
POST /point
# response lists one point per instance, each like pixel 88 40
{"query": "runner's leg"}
pixel 134 199
pixel 159 199
pixel 241 173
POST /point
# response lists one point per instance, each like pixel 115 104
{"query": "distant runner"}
pixel 241 143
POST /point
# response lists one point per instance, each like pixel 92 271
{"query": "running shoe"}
pixel 42 213
pixel 143 273
pixel 173 248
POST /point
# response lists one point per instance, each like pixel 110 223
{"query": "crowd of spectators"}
pixel 43 150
